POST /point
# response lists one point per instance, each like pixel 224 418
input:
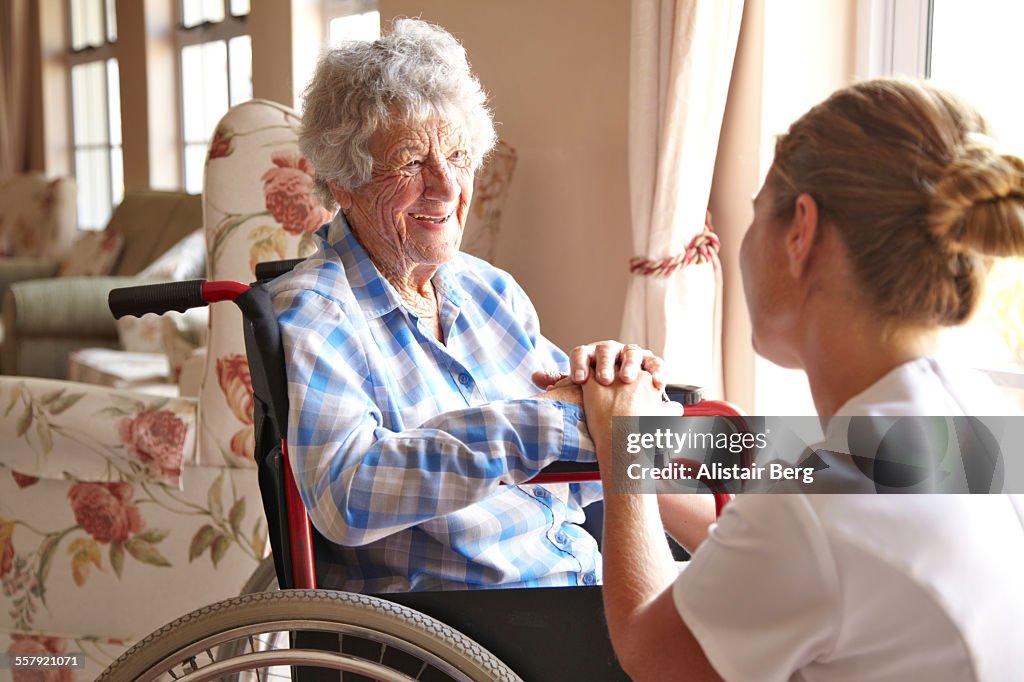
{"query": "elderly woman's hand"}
pixel 605 356
pixel 562 389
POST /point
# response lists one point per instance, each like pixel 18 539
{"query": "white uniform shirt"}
pixel 867 587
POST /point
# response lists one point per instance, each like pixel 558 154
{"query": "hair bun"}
pixel 978 202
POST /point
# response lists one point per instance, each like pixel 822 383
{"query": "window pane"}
pixel 240 78
pixel 93 178
pixel 89 109
pixel 195 160
pixel 86 23
pixel 966 40
pixel 116 176
pixel 111 20
pixel 363 26
pixel 204 88
pixel 239 7
pixel 114 101
pixel 194 12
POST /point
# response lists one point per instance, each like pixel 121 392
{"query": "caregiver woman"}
pixel 874 229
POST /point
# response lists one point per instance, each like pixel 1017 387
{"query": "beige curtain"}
pixel 15 31
pixel 682 54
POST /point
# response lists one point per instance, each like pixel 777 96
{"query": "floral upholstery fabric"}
pixel 122 510
pixel 490 187
pixel 108 529
pixel 258 206
pixel 37 216
pixel 184 260
pixel 133 370
pixel 93 254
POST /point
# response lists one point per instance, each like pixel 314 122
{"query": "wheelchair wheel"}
pixel 369 638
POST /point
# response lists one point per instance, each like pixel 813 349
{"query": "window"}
pixel 964 47
pixel 970 45
pixel 95 110
pixel 216 74
pixel 351 20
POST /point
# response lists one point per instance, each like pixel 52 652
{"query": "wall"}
pixel 557 74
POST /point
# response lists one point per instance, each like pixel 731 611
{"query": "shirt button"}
pixel 464 379
pixel 560 538
pixel 589 579
pixel 540 492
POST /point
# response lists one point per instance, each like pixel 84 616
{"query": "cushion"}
pixel 140 334
pixel 93 254
pixel 182 334
pixel 118 369
pixel 184 260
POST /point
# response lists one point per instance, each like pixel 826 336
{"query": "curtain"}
pixel 681 60
pixel 15 30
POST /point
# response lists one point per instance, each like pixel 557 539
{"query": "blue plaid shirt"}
pixel 399 442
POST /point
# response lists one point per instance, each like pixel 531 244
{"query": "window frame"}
pixel 893 37
pixel 232 26
pixel 91 54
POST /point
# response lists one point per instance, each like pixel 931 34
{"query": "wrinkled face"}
pixel 766 282
pixel 413 209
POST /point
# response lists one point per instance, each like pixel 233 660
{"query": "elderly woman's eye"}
pixel 414 164
pixel 459 156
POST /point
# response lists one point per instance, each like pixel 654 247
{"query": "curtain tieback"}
pixel 701 250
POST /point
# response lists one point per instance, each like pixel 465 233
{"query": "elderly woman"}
pixel 874 229
pixel 412 366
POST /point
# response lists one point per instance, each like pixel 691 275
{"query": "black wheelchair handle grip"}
pixel 156 298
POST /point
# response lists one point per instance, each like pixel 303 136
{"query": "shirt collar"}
pixel 376 296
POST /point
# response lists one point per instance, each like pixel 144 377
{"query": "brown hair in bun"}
pixel 908 176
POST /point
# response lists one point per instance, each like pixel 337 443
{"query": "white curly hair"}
pixel 417 72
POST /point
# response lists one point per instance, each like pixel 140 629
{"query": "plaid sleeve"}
pixel 362 481
pixel 584 493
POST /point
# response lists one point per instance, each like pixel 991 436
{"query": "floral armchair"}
pixel 37 225
pixel 120 511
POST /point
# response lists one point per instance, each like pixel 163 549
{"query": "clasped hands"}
pixel 610 379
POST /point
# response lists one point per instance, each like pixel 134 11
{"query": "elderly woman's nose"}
pixel 440 182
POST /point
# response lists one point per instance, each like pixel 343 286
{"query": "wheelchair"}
pixel 283 627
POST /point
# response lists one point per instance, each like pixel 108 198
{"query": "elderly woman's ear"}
pixel 341 195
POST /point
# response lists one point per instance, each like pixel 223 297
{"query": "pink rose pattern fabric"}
pixel 6 547
pixel 222 144
pixel 236 382
pixel 24 480
pixel 106 511
pixel 288 189
pixel 157 439
pixel 38 645
pixel 243 444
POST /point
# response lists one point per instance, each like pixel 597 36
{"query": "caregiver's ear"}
pixel 801 233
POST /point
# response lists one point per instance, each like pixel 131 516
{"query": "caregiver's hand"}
pixel 601 403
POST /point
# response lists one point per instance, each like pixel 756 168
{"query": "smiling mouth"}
pixel 435 220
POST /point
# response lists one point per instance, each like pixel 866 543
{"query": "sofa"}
pixel 44 320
